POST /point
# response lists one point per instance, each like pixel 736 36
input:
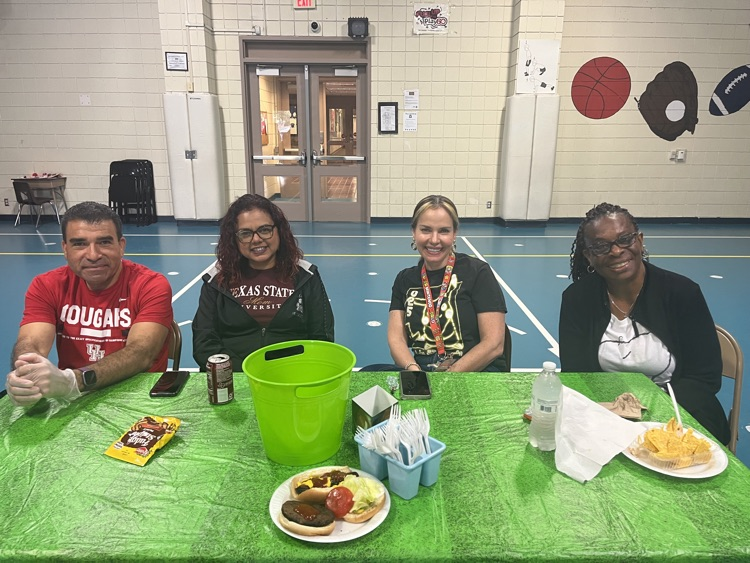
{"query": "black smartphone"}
pixel 415 385
pixel 169 384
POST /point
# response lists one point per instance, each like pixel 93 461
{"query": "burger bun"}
pixel 314 495
pixel 367 514
pixel 303 530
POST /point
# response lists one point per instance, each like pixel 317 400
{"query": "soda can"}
pixel 220 379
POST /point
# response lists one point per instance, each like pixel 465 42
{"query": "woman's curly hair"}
pixel 228 256
pixel 578 262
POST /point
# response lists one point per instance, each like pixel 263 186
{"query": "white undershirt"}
pixel 621 349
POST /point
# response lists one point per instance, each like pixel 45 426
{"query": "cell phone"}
pixel 415 385
pixel 169 384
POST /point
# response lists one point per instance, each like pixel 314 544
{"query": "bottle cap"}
pixel 549 365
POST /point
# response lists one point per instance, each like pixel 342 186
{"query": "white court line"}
pixel 547 336
pixel 179 294
pixel 44 241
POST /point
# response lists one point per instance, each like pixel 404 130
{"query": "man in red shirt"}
pixel 109 316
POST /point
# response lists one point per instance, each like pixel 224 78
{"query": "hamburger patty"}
pixel 315 515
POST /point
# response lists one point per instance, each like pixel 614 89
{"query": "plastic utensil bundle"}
pixel 403 438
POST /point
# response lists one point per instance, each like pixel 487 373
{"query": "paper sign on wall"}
pixel 411 99
pixel 410 121
pixel 538 63
pixel 430 18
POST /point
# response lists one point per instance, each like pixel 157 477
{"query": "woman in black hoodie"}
pixel 260 291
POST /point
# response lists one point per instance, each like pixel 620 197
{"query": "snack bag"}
pixel 142 440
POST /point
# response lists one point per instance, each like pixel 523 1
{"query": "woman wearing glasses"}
pixel 260 291
pixel 624 314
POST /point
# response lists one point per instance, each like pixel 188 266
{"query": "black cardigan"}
pixel 673 308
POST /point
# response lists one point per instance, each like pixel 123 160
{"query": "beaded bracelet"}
pixel 407 366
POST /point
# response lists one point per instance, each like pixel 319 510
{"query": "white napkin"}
pixel 588 436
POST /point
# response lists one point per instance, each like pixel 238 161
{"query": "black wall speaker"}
pixel 358 27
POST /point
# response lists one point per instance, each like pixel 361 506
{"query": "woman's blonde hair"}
pixel 435 202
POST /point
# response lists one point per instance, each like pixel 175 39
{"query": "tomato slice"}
pixel 340 501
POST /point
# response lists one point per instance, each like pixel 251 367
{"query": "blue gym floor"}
pixel 358 263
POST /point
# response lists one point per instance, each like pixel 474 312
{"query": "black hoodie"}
pixel 222 326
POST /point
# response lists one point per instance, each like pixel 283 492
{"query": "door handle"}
pixel 302 158
pixel 318 159
pixel 261 157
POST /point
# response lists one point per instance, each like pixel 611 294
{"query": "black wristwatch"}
pixel 88 378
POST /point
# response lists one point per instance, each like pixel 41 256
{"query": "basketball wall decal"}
pixel 600 88
pixel 732 93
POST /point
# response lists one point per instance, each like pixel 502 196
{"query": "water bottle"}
pixel 545 401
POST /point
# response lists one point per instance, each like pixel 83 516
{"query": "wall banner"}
pixel 430 18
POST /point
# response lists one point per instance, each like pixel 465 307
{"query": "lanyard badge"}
pixel 433 307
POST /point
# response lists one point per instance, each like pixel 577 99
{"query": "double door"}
pixel 309 138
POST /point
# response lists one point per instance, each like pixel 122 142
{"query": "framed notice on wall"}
pixel 387 117
pixel 176 61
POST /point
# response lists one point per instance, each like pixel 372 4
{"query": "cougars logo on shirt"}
pixel 94 321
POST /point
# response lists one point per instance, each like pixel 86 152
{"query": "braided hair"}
pixel 229 258
pixel 578 262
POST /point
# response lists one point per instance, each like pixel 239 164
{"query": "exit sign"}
pixel 304 4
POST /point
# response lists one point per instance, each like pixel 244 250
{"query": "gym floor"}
pixel 358 263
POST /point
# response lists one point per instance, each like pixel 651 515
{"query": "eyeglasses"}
pixel 603 247
pixel 265 232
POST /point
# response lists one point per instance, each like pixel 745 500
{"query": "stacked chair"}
pixel 131 191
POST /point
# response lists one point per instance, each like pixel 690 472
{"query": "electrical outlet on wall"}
pixel 489 205
pixel 7 202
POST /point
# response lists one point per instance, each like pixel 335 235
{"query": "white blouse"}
pixel 628 346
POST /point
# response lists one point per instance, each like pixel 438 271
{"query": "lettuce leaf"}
pixel 366 491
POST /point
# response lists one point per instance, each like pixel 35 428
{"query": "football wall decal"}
pixel 732 93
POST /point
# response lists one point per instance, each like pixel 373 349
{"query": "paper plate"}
pixel 719 460
pixel 343 531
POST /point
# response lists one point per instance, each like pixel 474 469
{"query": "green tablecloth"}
pixel 205 495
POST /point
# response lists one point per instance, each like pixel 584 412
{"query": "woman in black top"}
pixel 468 328
pixel 624 314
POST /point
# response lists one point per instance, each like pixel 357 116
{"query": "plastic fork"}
pixel 423 424
pixel 383 445
pixel 395 412
pixel 412 441
pixel 676 408
pixel 365 437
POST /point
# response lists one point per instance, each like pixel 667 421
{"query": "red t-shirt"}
pixel 262 294
pixel 92 324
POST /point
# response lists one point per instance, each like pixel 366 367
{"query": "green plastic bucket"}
pixel 300 391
